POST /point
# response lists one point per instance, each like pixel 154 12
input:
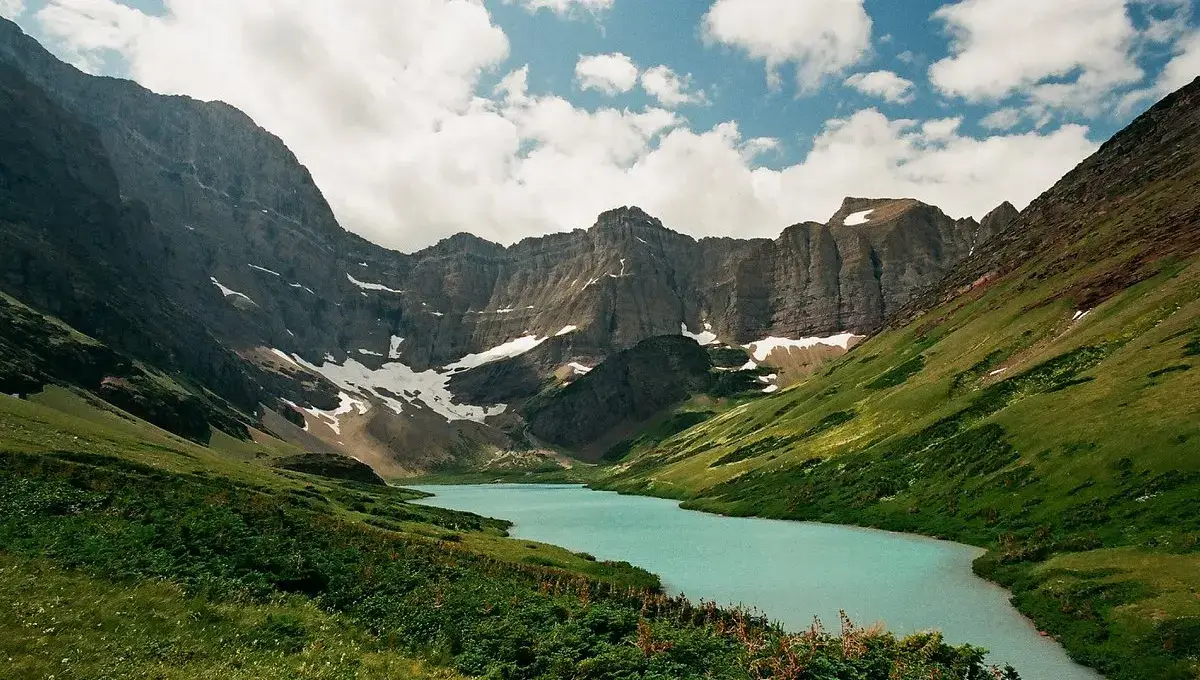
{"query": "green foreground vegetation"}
pixel 128 552
pixel 1067 444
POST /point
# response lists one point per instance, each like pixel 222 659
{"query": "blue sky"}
pixel 443 151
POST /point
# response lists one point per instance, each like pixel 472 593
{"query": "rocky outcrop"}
pixel 331 466
pixel 626 390
pixel 1098 213
pixel 181 233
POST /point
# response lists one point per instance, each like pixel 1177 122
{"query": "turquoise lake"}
pixel 791 571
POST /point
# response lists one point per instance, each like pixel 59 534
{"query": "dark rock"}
pixel 333 467
pixel 630 387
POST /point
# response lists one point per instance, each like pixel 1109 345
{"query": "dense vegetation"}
pixel 1067 445
pixel 177 561
pixel 1040 401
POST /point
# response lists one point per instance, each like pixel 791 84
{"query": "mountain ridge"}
pixel 1040 402
pixel 227 231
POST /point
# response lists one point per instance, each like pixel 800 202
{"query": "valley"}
pixel 240 441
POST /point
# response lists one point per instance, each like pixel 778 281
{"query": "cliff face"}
pixel 630 387
pixel 214 240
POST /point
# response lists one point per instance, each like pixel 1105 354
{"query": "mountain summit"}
pixel 217 257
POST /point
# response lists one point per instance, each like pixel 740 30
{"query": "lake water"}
pixel 791 571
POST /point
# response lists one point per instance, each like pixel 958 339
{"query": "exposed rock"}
pixel 630 387
pixel 997 221
pixel 181 233
pixel 331 466
pixel 1097 212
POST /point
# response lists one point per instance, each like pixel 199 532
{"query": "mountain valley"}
pixel 215 390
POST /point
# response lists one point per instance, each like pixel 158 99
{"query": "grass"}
pixel 65 624
pixel 998 420
pixel 126 551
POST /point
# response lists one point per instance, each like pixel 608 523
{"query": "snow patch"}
pixel 998 371
pixel 641 239
pixel 590 282
pixel 508 350
pixel 771 389
pixel 333 418
pixel 579 368
pixel 263 269
pixel 705 338
pixel 566 331
pixel 301 285
pixel 372 286
pixel 622 274
pixel 227 292
pixel 369 353
pixel 855 219
pixel 394 347
pixel 1080 314
pixel 395 386
pixel 763 348
pixel 748 366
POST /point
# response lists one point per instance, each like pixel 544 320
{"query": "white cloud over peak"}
pixel 382 101
pixel 11 9
pixel 818 37
pixel 566 7
pixel 670 89
pixel 884 84
pixel 1184 66
pixel 1070 55
pixel 608 73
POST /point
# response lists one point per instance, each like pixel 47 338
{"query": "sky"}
pixel 514 118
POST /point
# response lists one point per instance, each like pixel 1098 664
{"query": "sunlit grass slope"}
pixel 129 552
pixel 1044 403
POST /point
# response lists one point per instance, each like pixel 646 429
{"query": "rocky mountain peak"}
pixel 997 220
pixel 463 243
pixel 629 214
pixel 237 270
pixel 856 212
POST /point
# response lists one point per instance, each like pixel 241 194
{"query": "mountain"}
pixel 180 233
pixel 628 388
pixel 1041 400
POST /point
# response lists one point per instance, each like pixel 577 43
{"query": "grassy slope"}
pixel 127 551
pixel 66 624
pixel 1070 447
pixel 1104 454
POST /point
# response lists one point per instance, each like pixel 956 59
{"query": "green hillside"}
pixel 1043 403
pixel 127 551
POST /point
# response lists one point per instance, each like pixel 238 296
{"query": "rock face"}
pixel 628 388
pixel 1074 221
pixel 181 233
pixel 333 467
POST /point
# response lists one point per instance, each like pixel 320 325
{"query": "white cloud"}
pixel 609 73
pixel 820 37
pixel 886 84
pixel 566 7
pixel 669 88
pixel 1002 119
pixel 1183 68
pixel 1065 54
pixel 96 28
pixel 382 101
pixel 11 9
